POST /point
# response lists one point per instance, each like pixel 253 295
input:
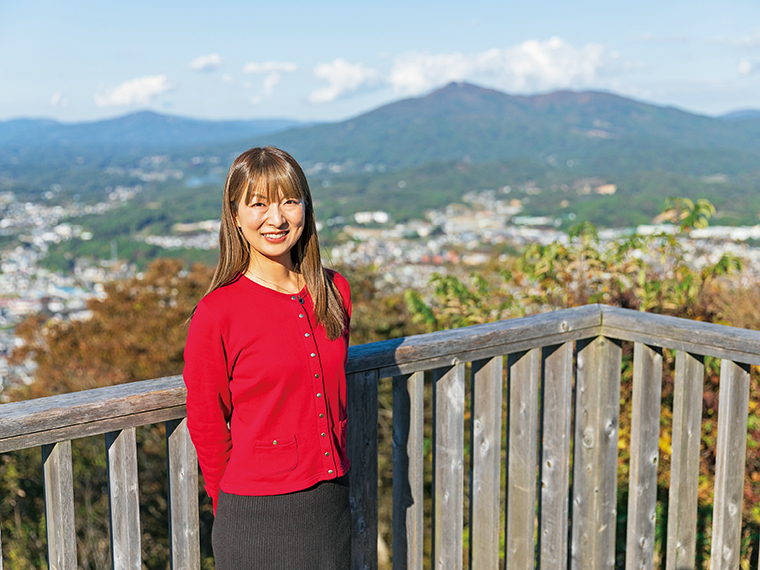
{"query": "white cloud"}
pixel 273 71
pixel 746 67
pixel 531 65
pixel 58 100
pixel 342 78
pixel 140 90
pixel 749 41
pixel 269 67
pixel 206 62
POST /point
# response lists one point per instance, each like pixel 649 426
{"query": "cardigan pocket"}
pixel 275 456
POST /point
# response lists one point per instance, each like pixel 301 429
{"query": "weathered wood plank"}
pixel 396 368
pixel 522 458
pixel 124 500
pixel 362 451
pixel 99 427
pixel 408 465
pixel 486 463
pixel 182 469
pixel 733 410
pixel 684 461
pixel 58 479
pixel 595 454
pixel 448 467
pixel 644 450
pixel 740 345
pixel 90 406
pixel 554 499
pixel 411 354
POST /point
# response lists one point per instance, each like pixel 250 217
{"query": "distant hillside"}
pixel 463 122
pixel 144 129
pixel 745 114
pixel 407 157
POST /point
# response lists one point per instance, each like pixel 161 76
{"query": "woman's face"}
pixel 272 229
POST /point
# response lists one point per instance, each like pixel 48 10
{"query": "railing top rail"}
pixel 431 350
pixel 91 412
pixel 708 339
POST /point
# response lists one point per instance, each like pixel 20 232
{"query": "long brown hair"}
pixel 273 173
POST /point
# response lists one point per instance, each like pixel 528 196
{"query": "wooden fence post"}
pixel 408 466
pixel 362 451
pixel 58 477
pixel 557 398
pixel 597 411
pixel 182 474
pixel 485 483
pixel 522 458
pixel 684 461
pixel 644 450
pixel 733 410
pixel 448 467
pixel 124 500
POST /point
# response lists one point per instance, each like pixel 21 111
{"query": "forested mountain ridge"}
pixel 465 122
pixel 409 156
pixel 142 129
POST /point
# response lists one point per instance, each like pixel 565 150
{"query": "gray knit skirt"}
pixel 305 530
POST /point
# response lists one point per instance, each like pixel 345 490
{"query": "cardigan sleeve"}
pixel 209 403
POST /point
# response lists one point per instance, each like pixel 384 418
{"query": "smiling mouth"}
pixel 276 235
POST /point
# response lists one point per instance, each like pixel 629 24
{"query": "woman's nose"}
pixel 274 215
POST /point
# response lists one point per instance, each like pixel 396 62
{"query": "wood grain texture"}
pixel 91 412
pixel 554 492
pixel 124 500
pixel 684 462
pixel 644 456
pixel 448 467
pixel 522 458
pixel 362 451
pixel 594 510
pixel 408 466
pixel 733 410
pixel 58 480
pixel 182 469
pixel 442 348
pixel 485 482
pixel 740 345
pixel 99 427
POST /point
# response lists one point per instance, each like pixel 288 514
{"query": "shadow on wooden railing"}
pixel 560 366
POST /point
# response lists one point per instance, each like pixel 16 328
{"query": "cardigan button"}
pixel 316 376
pixel 293 298
pixel 327 454
pixel 274 442
pixel 321 415
pixel 323 434
pixel 306 335
pixel 330 471
pixel 312 355
pixel 300 315
pixel 300 300
pixel 319 394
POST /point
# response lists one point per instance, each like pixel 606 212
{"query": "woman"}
pixel 265 375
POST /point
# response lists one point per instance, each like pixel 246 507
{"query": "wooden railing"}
pixel 563 373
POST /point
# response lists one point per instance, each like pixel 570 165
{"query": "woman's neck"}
pixel 275 276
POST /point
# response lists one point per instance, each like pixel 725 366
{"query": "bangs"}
pixel 275 182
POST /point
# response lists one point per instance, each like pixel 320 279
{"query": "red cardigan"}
pixel 266 391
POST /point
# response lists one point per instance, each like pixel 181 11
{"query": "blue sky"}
pixel 80 60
